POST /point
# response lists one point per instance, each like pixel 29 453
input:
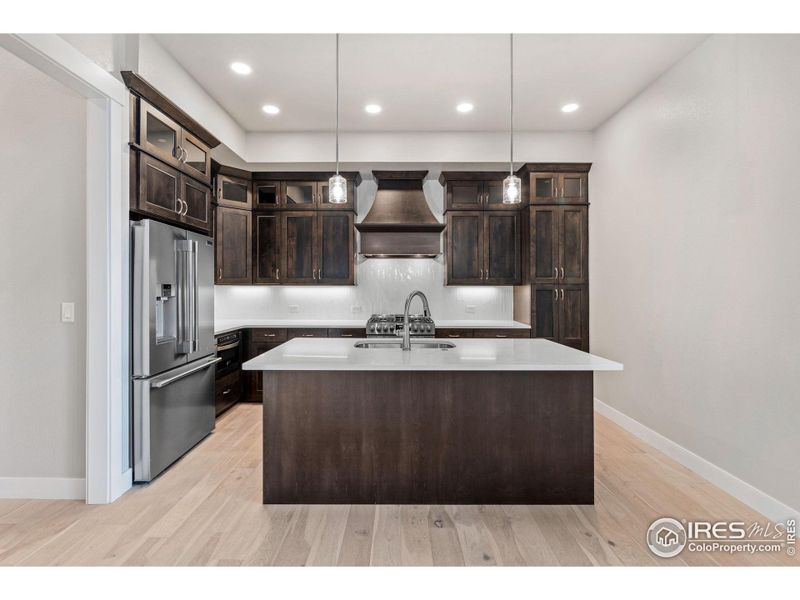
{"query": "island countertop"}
pixel 225 325
pixel 340 354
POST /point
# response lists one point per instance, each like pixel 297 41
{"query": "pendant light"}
pixel 512 185
pixel 337 186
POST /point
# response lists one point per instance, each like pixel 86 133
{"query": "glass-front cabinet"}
pixel 233 192
pixel 300 194
pixel 163 138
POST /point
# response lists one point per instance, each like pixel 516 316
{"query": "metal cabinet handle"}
pixel 453 335
pixel 501 336
pixel 219 273
pixel 555 294
pixel 562 293
pixel 179 207
pixel 269 335
pixel 307 335
pixel 562 272
pixel 185 207
pixel 555 270
pixel 347 335
pixel 278 273
pixel 226 392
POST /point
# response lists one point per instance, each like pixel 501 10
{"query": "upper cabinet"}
pixel 170 159
pixel 165 139
pixel 234 192
pixel 555 183
pixel 483 248
pixel 474 191
pixel 300 191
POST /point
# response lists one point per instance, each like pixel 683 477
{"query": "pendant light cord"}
pixel 337 103
pixel 511 78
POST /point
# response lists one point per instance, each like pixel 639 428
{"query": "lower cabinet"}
pixel 561 314
pixel 228 391
pixel 255 388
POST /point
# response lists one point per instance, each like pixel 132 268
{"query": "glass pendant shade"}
pixel 337 191
pixel 512 190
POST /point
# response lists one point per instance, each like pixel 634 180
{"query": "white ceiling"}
pixel 419 79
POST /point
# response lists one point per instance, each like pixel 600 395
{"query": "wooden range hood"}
pixel 400 223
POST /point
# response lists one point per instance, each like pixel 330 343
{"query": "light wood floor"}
pixel 207 510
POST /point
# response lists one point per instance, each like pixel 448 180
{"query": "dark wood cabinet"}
pixel 233 246
pixel 483 248
pixel 255 385
pixel 165 139
pixel 560 239
pixel 267 195
pixel 501 333
pixel 268 255
pixel 464 248
pixel 299 237
pixel 163 192
pixel 559 251
pixel 335 245
pixel 300 194
pixel 234 192
pixel 474 191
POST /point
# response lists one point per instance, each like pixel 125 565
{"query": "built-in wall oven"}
pixel 229 375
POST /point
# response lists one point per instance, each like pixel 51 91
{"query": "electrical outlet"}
pixel 356 309
pixel 293 308
pixel 67 312
pixel 469 308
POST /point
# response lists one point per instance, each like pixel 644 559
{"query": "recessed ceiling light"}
pixel 373 109
pixel 270 109
pixel 241 68
pixel 571 107
pixel 465 107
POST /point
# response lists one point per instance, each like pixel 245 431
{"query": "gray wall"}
pixel 42 263
pixel 695 258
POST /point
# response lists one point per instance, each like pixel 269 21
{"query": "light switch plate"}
pixel 355 309
pixel 293 308
pixel 469 308
pixel 67 312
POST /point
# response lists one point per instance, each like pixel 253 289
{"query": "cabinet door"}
pixel 493 197
pixel 300 194
pixel 299 230
pixel 196 159
pixel 465 248
pixel 324 197
pixel 335 255
pixel 573 317
pixel 545 232
pixel 573 244
pixel 197 207
pixel 544 187
pixel 267 267
pixel 233 192
pixel 464 195
pixel 501 248
pixel 544 321
pixel 573 188
pixel 266 194
pixel 159 135
pixel 233 246
pixel 159 189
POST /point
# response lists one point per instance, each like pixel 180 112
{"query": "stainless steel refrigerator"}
pixel 173 359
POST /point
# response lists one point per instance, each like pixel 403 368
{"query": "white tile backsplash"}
pixel 383 284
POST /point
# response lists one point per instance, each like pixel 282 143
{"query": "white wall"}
pixel 42 262
pixel 695 257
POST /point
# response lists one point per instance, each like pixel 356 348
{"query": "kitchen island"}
pixel 486 421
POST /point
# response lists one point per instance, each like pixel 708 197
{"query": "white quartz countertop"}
pixel 339 354
pixel 224 326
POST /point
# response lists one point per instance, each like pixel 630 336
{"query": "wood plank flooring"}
pixel 207 510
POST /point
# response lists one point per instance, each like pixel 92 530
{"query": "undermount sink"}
pixel 415 345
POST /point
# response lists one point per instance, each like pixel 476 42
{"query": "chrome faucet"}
pixel 406 329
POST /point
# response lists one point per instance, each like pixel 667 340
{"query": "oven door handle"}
pixel 230 346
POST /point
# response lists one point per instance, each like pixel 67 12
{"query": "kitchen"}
pixel 422 328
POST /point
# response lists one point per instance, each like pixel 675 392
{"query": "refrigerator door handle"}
pixel 186 296
pixel 158 384
pixel 195 295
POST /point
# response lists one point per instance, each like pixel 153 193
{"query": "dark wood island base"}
pixel 428 437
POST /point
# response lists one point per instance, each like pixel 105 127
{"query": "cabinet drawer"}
pixel 348 332
pixel 293 333
pixel 268 335
pixel 453 333
pixel 502 333
pixel 228 391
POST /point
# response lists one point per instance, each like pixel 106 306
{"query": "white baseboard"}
pixel 773 509
pixel 43 488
